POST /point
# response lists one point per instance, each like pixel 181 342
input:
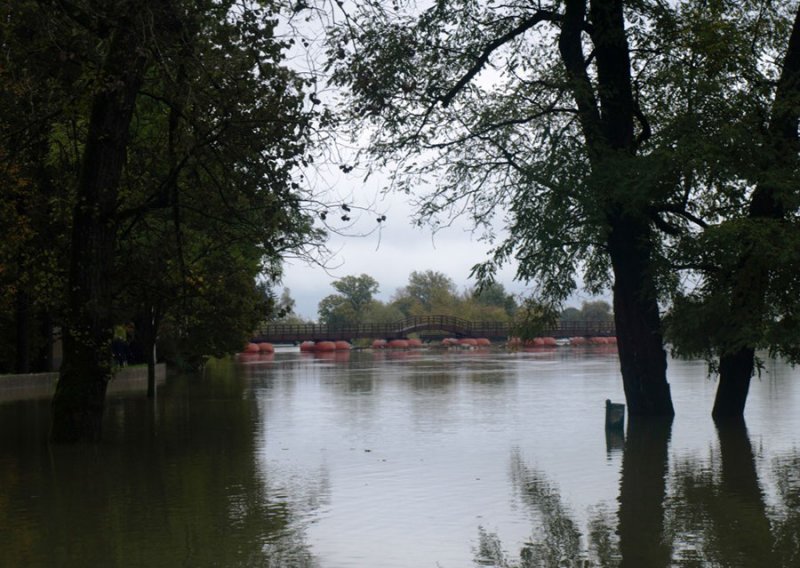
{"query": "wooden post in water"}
pixel 615 416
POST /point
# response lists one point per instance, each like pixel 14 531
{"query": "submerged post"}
pixel 615 416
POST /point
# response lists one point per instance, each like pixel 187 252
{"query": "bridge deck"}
pixel 292 333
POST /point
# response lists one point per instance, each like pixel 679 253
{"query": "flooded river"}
pixel 408 459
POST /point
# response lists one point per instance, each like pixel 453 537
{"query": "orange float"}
pixel 483 342
pixel 414 342
pixel 397 344
pixel 324 347
pixel 251 348
pixel 266 347
pixel 468 341
pixel 342 345
pixel 576 341
pixel 379 344
pixel 549 342
pixel 307 346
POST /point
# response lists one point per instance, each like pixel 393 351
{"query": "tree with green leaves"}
pixel 747 262
pixel 351 304
pixel 427 292
pixel 494 294
pixel 506 105
pixel 36 79
pixel 182 130
pixel 631 141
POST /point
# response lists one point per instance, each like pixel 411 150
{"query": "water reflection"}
pixel 720 514
pixel 642 493
pixel 716 515
pixel 556 540
pixel 175 485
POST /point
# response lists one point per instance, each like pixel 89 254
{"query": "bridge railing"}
pixel 450 324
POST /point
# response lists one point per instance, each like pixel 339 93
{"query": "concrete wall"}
pixel 42 385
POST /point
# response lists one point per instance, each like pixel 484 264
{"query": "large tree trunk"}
pixel 735 371
pixel 86 368
pixel 643 360
pixel 751 280
pixel 607 116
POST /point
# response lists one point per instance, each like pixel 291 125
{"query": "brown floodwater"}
pixel 411 459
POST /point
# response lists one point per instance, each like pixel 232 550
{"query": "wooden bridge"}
pixel 453 326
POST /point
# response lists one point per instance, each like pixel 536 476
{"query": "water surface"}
pixel 408 459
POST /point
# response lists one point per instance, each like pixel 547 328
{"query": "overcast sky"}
pixel 391 254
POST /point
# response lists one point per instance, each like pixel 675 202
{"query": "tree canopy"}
pixel 428 292
pixel 632 143
pixel 154 148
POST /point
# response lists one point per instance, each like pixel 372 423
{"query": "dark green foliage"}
pixel 494 295
pixel 153 148
pixel 351 304
pixel 745 262
pixel 532 318
pixel 590 311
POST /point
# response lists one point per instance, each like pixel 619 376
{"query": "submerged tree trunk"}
pixel 751 280
pixel 735 372
pixel 87 365
pixel 643 360
pixel 150 356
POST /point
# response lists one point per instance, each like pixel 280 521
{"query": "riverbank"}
pixel 42 385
